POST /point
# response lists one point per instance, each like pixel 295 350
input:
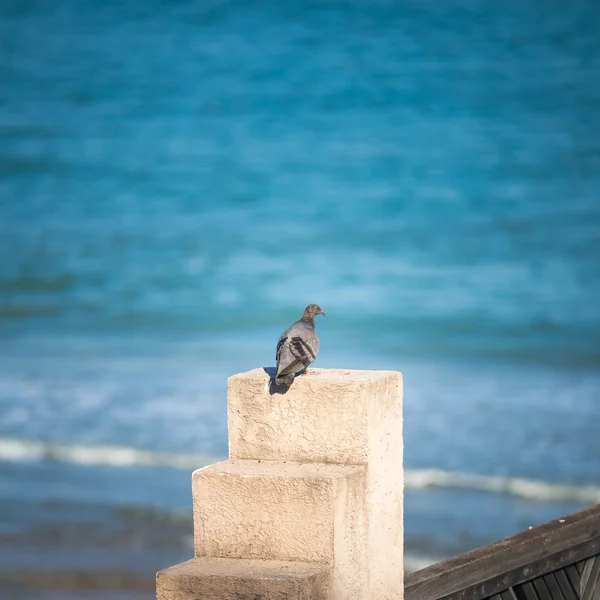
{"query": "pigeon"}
pixel 298 346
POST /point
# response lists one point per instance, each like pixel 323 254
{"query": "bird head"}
pixel 312 310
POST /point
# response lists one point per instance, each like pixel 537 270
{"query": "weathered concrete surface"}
pixel 334 416
pixel 326 416
pixel 234 578
pixel 271 510
pixel 314 477
pixel 284 511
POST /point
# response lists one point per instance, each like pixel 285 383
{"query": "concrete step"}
pixel 329 416
pixel 279 510
pixel 235 578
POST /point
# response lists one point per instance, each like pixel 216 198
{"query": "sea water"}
pixel 179 179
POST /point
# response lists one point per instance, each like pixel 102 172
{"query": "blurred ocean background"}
pixel 179 179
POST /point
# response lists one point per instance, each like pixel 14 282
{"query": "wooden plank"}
pixel 466 590
pixel 585 569
pixel 553 587
pixel 542 589
pixel 508 594
pixel 526 591
pixel 591 588
pixel 567 589
pixel 488 570
pixel 574 578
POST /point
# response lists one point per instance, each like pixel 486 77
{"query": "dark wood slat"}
pixel 574 578
pixel 585 569
pixel 595 591
pixel 592 583
pixel 510 578
pixel 553 587
pixel 565 585
pixel 508 594
pixel 580 565
pixel 542 589
pixel 495 597
pixel 526 591
pixel 490 569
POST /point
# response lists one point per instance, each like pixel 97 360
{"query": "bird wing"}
pixel 302 347
pixel 295 351
pixel 280 343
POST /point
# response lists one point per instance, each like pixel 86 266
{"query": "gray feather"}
pixel 297 348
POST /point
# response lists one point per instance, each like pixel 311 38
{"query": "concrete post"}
pixel 310 503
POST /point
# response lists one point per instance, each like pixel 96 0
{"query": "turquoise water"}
pixel 178 180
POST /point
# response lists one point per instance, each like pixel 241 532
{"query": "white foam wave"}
pixel 528 489
pixel 18 450
pixel 416 562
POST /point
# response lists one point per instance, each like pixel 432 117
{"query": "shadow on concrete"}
pixel 278 388
pixel 275 388
pixel 270 371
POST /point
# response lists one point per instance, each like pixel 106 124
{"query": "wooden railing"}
pixel 559 560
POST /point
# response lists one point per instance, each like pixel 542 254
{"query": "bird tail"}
pixel 285 379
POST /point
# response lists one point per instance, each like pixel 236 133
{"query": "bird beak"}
pixel 322 313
